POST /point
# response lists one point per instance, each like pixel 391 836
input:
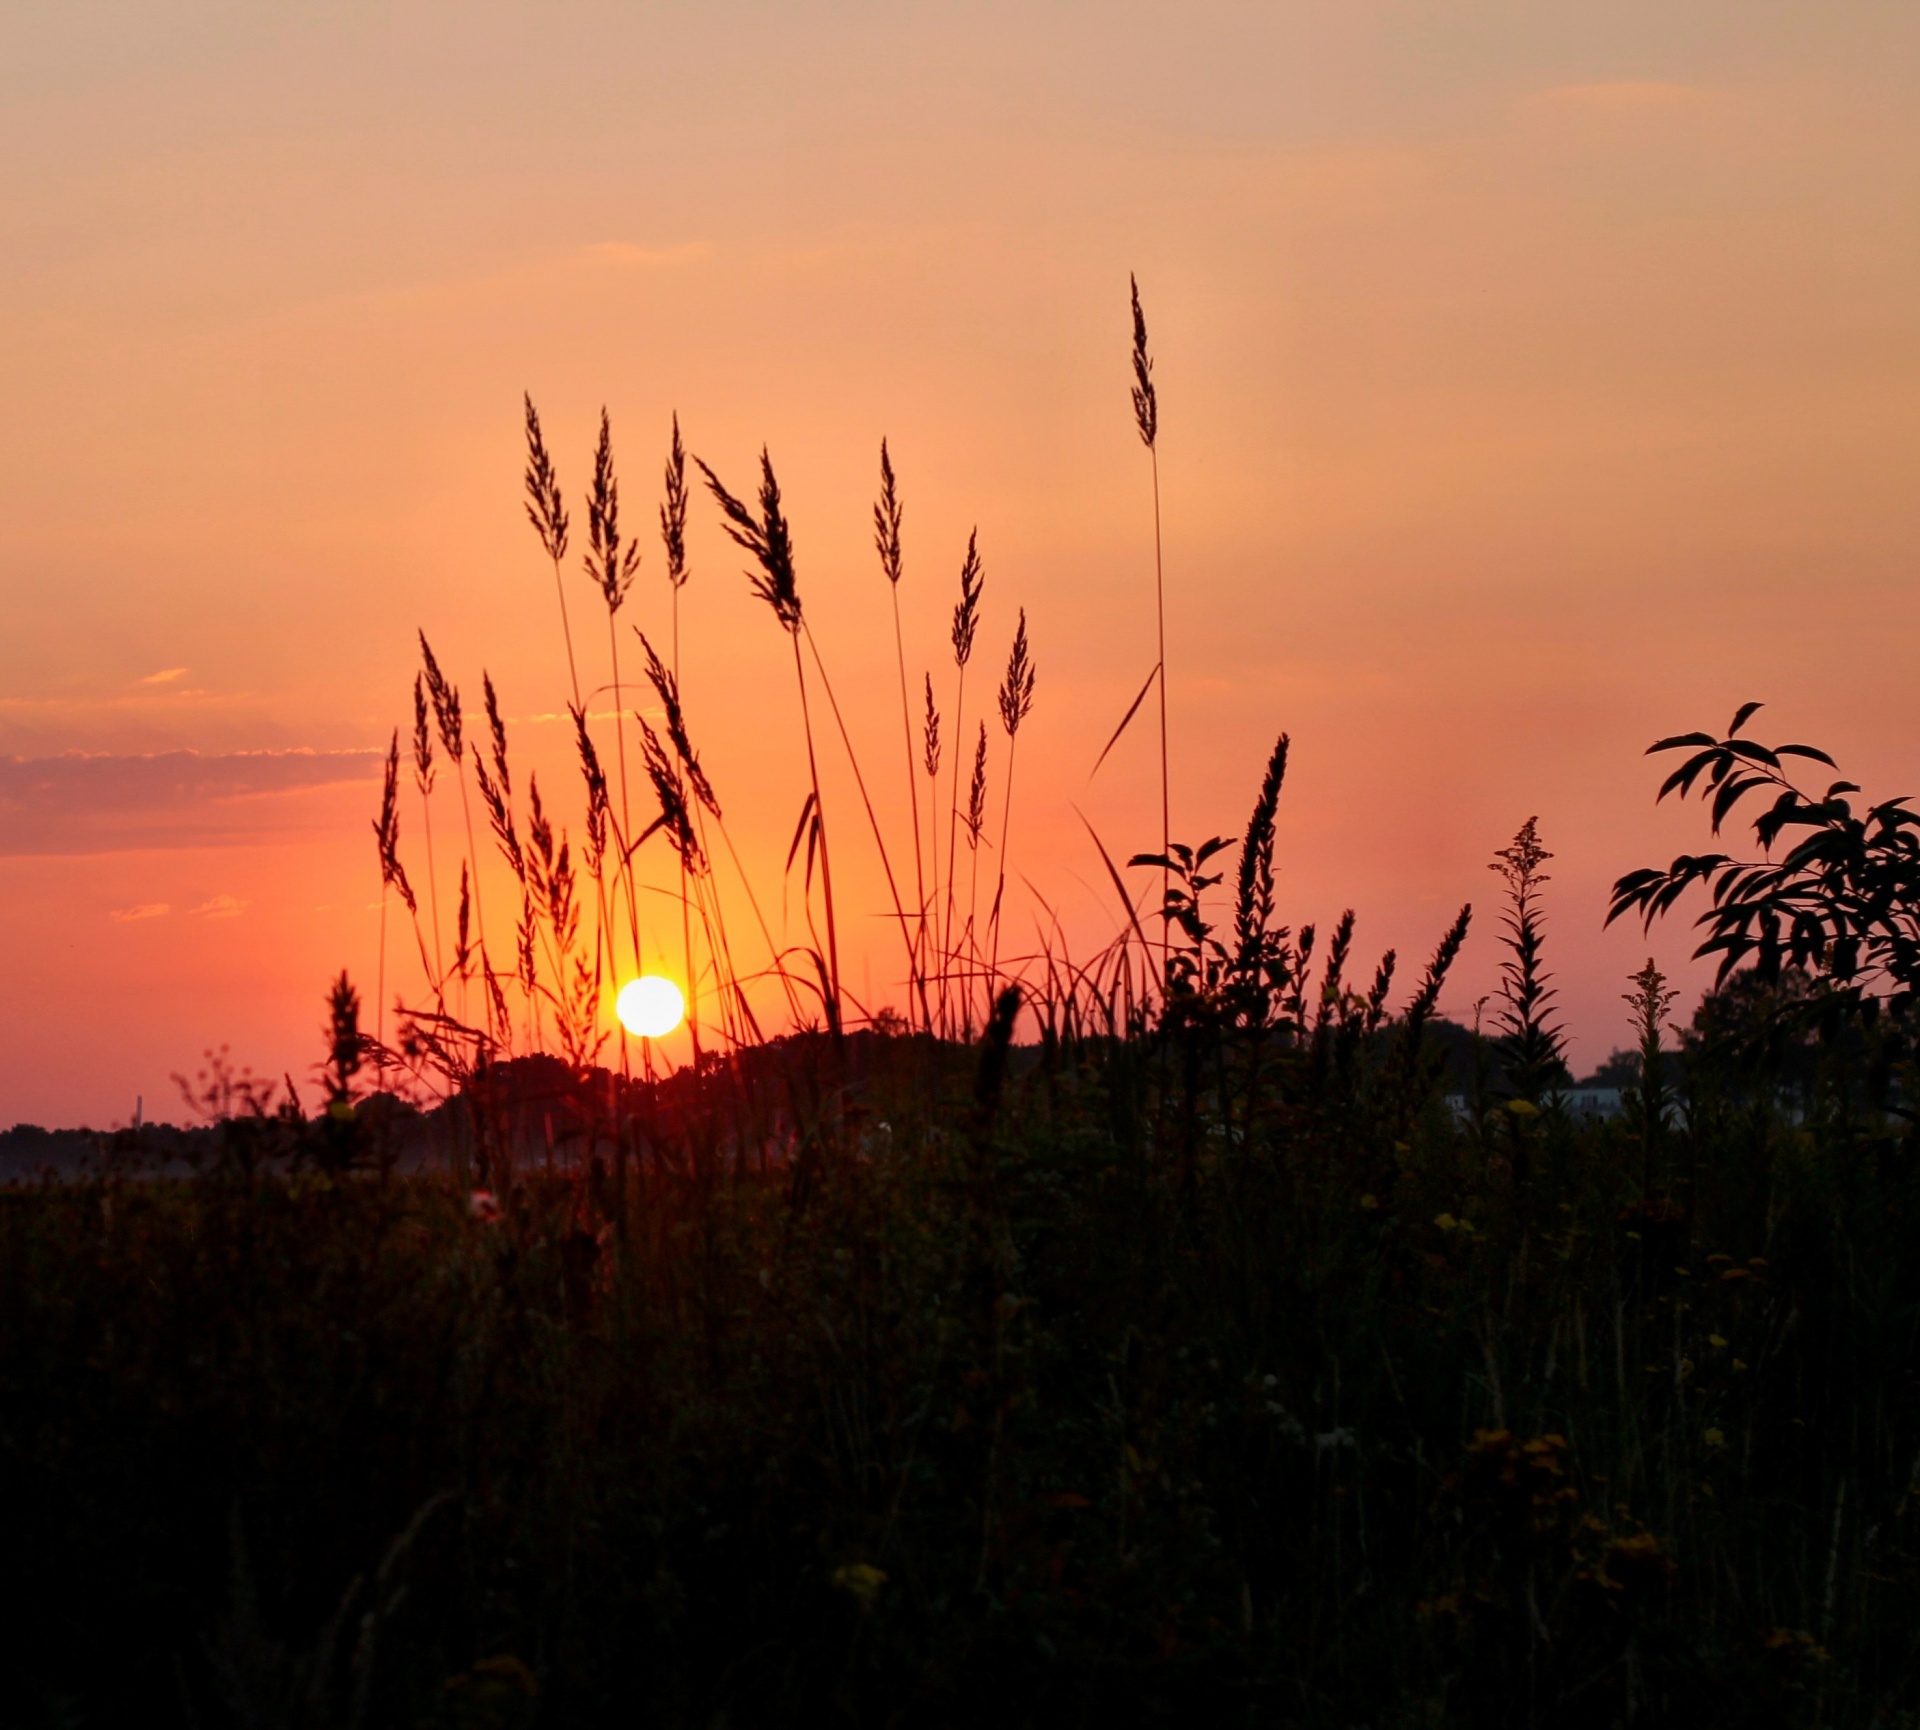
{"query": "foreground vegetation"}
pixel 1196 1376
pixel 1203 1360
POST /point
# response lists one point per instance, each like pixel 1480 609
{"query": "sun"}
pixel 650 1006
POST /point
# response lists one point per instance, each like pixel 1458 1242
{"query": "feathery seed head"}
pixel 499 731
pixel 667 688
pixel 1146 401
pixel 387 829
pixel 446 703
pixel 767 537
pixel 977 790
pixel 611 563
pixel 930 734
pixel 1016 690
pixel 966 612
pixel 675 819
pixel 598 805
pixel 422 738
pixel 886 519
pixel 545 508
pixel 673 514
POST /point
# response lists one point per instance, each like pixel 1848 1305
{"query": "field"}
pixel 1242 1343
pixel 1182 1376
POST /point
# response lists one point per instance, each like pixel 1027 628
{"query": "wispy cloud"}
pixel 118 804
pixel 165 677
pixel 220 907
pixel 146 910
pixel 1622 96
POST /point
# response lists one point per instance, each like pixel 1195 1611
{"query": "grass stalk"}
pixel 548 513
pixel 1146 415
pixel 966 621
pixel 886 534
pixel 769 538
pixel 1016 703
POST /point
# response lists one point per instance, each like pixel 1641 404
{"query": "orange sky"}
pixel 1534 380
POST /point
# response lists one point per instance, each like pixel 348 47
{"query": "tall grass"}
pixel 1252 1347
pixel 887 516
pixel 1206 1366
pixel 1146 417
pixel 966 623
pixel 768 538
pixel 1016 704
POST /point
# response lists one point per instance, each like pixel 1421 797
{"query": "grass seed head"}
pixel 1146 401
pixel 545 508
pixel 966 612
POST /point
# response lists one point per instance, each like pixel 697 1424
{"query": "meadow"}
pixel 1198 1331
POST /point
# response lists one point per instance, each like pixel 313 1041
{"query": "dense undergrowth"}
pixel 1156 1379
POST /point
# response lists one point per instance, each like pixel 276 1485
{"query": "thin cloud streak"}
pixel 76 804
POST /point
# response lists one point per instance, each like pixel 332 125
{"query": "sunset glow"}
pixel 1533 384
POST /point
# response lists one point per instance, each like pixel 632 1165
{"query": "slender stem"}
pixel 1000 888
pixel 879 841
pixel 566 630
pixel 1166 826
pixel 479 907
pixel 626 813
pixel 433 892
pixel 913 795
pixel 826 864
pixel 686 920
pixel 953 831
pixel 753 901
pixel 380 989
pixel 973 912
pixel 933 865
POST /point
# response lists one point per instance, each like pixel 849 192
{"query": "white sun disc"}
pixel 650 1006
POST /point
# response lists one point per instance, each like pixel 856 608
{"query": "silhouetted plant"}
pixel 1146 417
pixel 769 539
pixel 612 562
pixel 1843 902
pixel 547 511
pixel 1650 1000
pixel 887 517
pixel 966 622
pixel 1531 1045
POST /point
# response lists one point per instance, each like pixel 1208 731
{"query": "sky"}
pixel 1534 382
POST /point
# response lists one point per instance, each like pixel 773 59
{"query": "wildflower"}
pixel 1715 1438
pixel 1523 1108
pixel 484 1206
pixel 1369 1203
pixel 861 1581
pixel 1718 1343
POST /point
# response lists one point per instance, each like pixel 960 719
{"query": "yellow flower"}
pixel 1715 1438
pixel 1716 1342
pixel 1446 1222
pixel 1368 1203
pixel 1523 1108
pixel 861 1581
